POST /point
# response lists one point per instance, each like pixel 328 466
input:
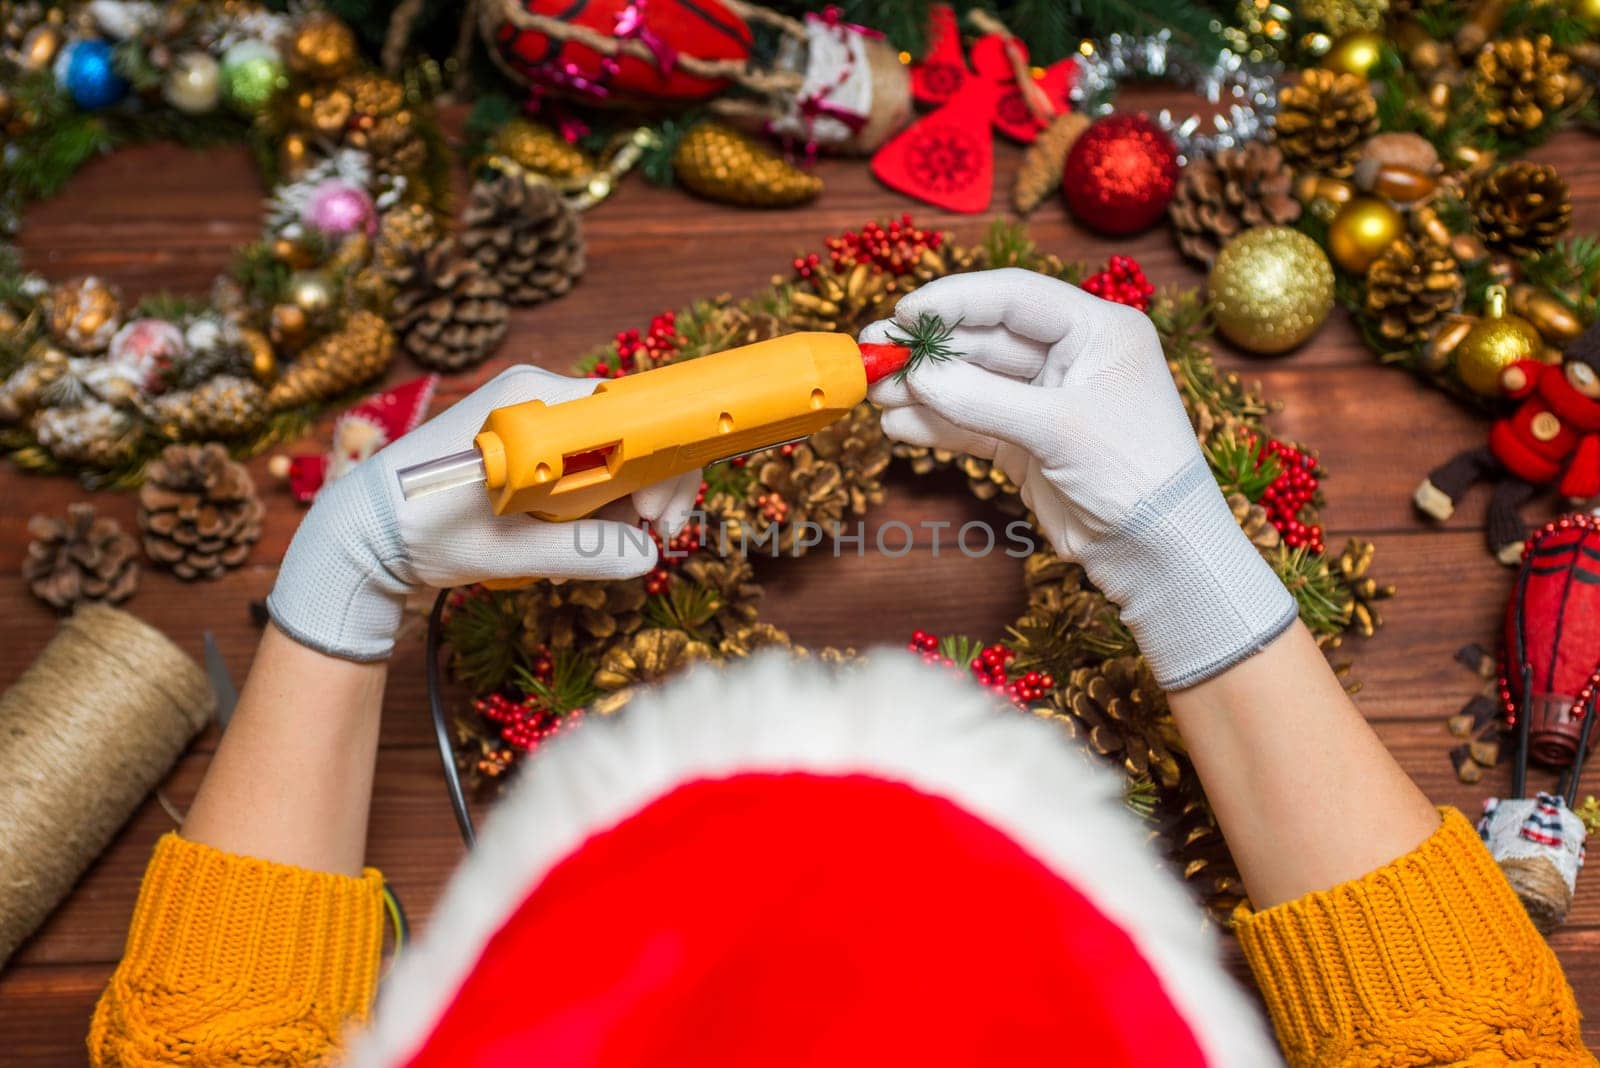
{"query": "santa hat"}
pixel 782 865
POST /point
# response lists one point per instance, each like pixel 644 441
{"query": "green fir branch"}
pixel 570 686
pixel 1241 464
pixel 962 649
pixel 684 606
pixel 1316 588
pixel 483 631
pixel 929 341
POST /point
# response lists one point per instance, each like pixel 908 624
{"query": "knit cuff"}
pixel 1431 951
pixel 223 935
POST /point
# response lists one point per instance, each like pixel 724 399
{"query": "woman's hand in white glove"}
pixel 1071 396
pixel 361 549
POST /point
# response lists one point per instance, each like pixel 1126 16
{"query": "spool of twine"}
pixel 85 734
pixel 1541 888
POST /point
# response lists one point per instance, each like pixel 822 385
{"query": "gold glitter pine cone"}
pixel 524 234
pixel 537 147
pixel 353 355
pixel 648 656
pixel 450 312
pixel 720 163
pixel 1410 287
pixel 1522 81
pixel 83 557
pixel 221 408
pixel 1522 208
pixel 1323 119
pixel 199 511
pixel 1220 195
pixel 731 580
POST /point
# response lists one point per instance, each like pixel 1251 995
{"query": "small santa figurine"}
pixel 357 434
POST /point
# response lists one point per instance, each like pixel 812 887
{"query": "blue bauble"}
pixel 89 74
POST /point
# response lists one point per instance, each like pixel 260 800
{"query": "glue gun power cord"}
pixel 441 723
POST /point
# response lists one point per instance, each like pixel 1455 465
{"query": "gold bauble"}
pixel 40 47
pixel 1361 231
pixel 263 361
pixel 287 324
pixel 1588 13
pixel 312 292
pixel 1271 288
pixel 1497 341
pixel 1355 53
pixel 321 47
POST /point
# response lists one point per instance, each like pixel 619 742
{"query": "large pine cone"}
pixel 83 557
pixel 1410 287
pixel 199 511
pixel 1221 195
pixel 94 434
pixel 525 235
pixel 1323 120
pixel 1522 208
pixel 450 312
pixel 356 353
pixel 223 407
pixel 579 615
pixel 1522 81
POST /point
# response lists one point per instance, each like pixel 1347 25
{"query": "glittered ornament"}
pixel 311 291
pixel 1497 341
pixel 1355 53
pixel 321 47
pixel 1362 230
pixel 1588 13
pixel 194 84
pixel 1271 288
pixel 252 73
pixel 83 314
pixel 1121 174
pixel 337 208
pixel 88 72
pixel 148 348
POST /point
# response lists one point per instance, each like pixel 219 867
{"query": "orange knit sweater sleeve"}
pixel 1430 960
pixel 232 960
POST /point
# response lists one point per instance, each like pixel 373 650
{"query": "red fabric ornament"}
pixel 669 28
pixel 1121 174
pixel 858 922
pixel 357 434
pixel 947 157
pixel 1552 638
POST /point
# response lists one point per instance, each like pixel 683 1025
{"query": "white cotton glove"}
pixel 361 549
pixel 1071 396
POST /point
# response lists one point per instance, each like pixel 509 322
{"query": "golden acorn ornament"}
pixel 1495 342
pixel 1362 230
pixel 1556 322
pixel 719 163
pixel 1271 289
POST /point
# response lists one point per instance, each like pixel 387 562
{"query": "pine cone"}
pixel 579 615
pixel 450 312
pixel 732 580
pixel 859 446
pixel 1221 195
pixel 753 637
pixel 1522 81
pixel 93 434
pixel 222 408
pixel 722 164
pixel 1522 208
pixel 1253 520
pixel 647 657
pixel 352 355
pixel 842 299
pixel 26 389
pixel 1340 17
pixel 83 557
pixel 1040 173
pixel 1410 287
pixel 789 491
pixel 1323 119
pixel 199 511
pixel 526 236
pixel 404 234
pixel 540 149
pixel 1363 591
pixel 985 480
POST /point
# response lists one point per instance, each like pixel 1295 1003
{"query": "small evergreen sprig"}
pixel 929 340
pixel 570 686
pixel 1241 465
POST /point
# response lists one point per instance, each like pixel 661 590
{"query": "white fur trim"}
pixel 893 718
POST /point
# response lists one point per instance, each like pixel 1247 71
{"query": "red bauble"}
pixel 670 28
pixel 1120 174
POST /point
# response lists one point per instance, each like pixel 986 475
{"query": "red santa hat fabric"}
pixel 782 865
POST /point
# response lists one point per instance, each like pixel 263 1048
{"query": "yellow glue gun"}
pixel 564 461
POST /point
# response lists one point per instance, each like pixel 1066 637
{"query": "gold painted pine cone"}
pixel 199 511
pixel 1410 287
pixel 83 557
pixel 223 407
pixel 1323 120
pixel 720 163
pixel 353 355
pixel 1253 520
pixel 649 656
pixel 1521 207
pixel 568 615
pixel 1522 82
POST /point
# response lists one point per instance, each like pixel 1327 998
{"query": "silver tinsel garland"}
pixel 1248 88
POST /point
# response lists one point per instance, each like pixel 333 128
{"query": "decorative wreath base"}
pixel 542 657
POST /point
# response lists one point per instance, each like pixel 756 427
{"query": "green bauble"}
pixel 252 74
pixel 1271 288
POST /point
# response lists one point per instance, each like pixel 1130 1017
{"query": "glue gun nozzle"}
pixel 459 469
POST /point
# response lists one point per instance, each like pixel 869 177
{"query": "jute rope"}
pixel 85 734
pixel 1541 888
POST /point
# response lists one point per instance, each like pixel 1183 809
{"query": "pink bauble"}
pixel 338 209
pixel 148 348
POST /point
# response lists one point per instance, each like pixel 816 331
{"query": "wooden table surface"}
pixel 160 218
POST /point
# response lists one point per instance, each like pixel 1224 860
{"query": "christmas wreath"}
pixel 539 659
pixel 351 268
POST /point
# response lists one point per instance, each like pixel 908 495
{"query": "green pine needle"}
pixel 482 631
pixel 928 339
pixel 1241 465
pixel 961 648
pixel 684 606
pixel 571 684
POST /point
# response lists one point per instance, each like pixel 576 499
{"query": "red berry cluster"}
pixel 684 542
pixel 1289 494
pixel 526 724
pixel 991 667
pixel 659 343
pixel 1122 281
pixel 894 248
